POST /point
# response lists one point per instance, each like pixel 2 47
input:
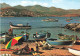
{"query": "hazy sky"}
pixel 65 4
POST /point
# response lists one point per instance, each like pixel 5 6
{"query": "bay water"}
pixel 37 25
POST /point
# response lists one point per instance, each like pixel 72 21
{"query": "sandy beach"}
pixel 54 51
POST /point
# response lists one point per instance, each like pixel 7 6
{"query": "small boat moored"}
pixel 77 42
pixel 74 51
pixel 59 42
pixel 68 19
pixel 66 37
pixel 20 26
pixel 2 38
pixel 41 36
pixel 50 20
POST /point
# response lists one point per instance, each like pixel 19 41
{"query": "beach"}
pixel 54 51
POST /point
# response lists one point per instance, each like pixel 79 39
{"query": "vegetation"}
pixel 34 11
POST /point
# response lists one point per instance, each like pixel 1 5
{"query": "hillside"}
pixel 36 10
pixel 4 5
pixel 14 12
pixel 43 10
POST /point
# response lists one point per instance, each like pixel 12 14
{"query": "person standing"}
pixel 10 32
pixel 37 48
pixel 27 36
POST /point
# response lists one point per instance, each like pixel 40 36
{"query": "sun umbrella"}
pixel 13 42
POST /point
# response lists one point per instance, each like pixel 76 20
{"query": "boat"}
pixel 59 42
pixel 2 38
pixel 2 34
pixel 77 42
pixel 20 26
pixel 41 36
pixel 50 20
pixel 66 37
pixel 74 51
pixel 68 19
pixel 5 37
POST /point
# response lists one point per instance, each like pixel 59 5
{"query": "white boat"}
pixel 17 27
pixel 21 26
pixel 74 51
pixel 50 20
pixel 68 19
pixel 2 38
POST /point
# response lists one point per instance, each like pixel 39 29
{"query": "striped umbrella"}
pixel 12 42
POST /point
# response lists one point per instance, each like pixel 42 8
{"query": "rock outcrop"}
pixel 73 26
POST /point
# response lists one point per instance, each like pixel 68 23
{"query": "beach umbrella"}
pixel 12 42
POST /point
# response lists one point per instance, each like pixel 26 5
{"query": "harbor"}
pixel 55 40
pixel 40 28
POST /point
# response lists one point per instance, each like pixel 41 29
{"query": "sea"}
pixel 39 26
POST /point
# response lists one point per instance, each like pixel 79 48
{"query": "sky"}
pixel 64 4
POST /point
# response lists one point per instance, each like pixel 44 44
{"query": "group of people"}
pixel 27 50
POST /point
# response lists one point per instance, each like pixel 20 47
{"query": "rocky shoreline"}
pixel 73 26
